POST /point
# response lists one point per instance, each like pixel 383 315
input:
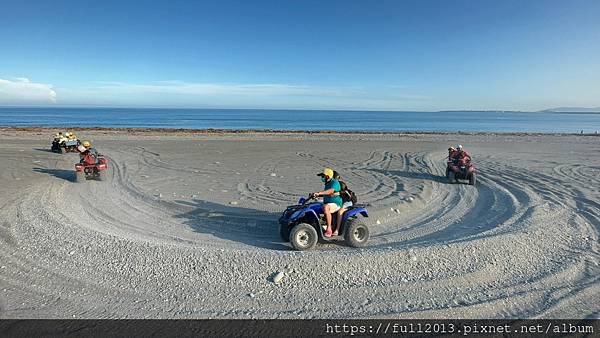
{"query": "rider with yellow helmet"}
pixel 332 202
pixel 85 148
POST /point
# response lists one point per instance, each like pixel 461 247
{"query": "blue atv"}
pixel 303 225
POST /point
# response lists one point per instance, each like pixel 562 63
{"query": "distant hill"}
pixel 572 110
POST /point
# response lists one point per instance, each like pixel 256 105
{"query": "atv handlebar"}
pixel 304 200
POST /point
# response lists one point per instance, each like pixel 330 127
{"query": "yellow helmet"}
pixel 86 144
pixel 326 172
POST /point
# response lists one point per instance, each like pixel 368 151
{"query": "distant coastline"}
pixel 549 111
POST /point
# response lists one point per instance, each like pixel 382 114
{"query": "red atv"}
pixel 91 167
pixel 460 169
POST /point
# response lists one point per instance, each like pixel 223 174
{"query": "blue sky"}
pixel 380 55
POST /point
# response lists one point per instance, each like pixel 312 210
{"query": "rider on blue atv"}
pixel 303 224
pixel 332 202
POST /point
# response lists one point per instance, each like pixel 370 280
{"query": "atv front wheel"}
pixel 451 177
pixel 284 232
pixel 303 237
pixel 357 234
pixel 100 176
pixel 472 179
pixel 79 177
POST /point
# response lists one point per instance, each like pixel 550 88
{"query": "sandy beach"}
pixel 185 226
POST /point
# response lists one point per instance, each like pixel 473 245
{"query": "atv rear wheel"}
pixel 284 232
pixel 303 237
pixel 100 176
pixel 357 234
pixel 79 177
pixel 472 179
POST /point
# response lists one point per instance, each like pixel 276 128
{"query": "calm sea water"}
pixel 301 120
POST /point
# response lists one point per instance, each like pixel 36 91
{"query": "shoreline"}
pixel 214 131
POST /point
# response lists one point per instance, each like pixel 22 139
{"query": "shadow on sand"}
pixel 252 227
pixel 46 150
pixel 67 175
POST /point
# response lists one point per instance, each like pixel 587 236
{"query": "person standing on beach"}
pixel 332 202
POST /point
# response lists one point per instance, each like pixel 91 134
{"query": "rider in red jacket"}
pixel 87 154
pixel 460 155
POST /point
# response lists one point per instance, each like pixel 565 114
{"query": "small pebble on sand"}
pixel 278 277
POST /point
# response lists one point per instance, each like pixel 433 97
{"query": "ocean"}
pixel 309 120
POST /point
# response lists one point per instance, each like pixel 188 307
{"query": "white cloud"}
pixel 22 91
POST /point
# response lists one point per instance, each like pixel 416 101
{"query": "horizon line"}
pixel 594 109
